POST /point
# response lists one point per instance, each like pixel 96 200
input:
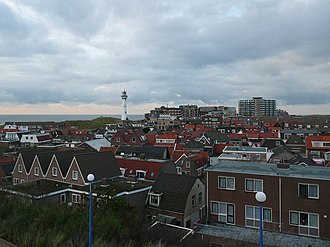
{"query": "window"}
pixel 20 168
pixel 253 185
pixel 74 175
pixel 22 181
pixel 122 170
pixel 36 171
pixel 308 223
pixel 252 215
pixel 200 197
pixel 188 164
pixel 133 139
pixel 62 198
pixel 54 171
pixel 227 183
pixel 118 139
pixel 141 174
pixel 308 191
pixel 225 211
pixel 154 199
pixel 16 181
pixel 76 198
pixel 193 200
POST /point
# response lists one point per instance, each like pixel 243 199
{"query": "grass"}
pixel 91 124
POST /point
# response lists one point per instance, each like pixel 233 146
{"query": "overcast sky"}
pixel 76 56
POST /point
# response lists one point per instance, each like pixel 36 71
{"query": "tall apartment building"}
pixel 256 107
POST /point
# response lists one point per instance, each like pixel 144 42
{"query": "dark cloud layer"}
pixel 164 52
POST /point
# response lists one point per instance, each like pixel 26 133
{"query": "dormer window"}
pixel 140 174
pixel 154 199
pixel 122 170
pixel 36 171
pixel 54 172
pixel 74 175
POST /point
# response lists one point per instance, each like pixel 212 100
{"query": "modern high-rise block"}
pixel 256 107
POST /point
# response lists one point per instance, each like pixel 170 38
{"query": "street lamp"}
pixel 261 197
pixel 90 178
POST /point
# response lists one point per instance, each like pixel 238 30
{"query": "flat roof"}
pixel 246 149
pixel 270 169
pixel 252 235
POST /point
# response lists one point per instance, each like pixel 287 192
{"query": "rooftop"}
pixel 270 169
pixel 245 149
pixel 252 235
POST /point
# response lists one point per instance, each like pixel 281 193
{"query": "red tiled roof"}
pixel 152 168
pixel 269 135
pixel 44 138
pixel 310 139
pixel 178 153
pixel 200 159
pixel 218 148
pixel 104 149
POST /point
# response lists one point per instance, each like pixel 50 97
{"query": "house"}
pixel 144 152
pixel 281 154
pixel 297 197
pixel 272 143
pixel 244 153
pixel 210 138
pixel 129 137
pixel 177 198
pixel 70 167
pixel 297 144
pixel 303 133
pixel 28 140
pixel 95 144
pixel 144 169
pixel 193 164
pixel 317 146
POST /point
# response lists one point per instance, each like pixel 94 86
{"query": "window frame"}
pixel 308 191
pixel 75 178
pixel 20 168
pixel 76 198
pixel 222 214
pixel 36 171
pixel 226 183
pixel 307 227
pixel 256 216
pixel 254 180
pixel 54 174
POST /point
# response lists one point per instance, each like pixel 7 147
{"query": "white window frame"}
pixel 303 228
pixel 75 175
pixel 76 198
pixel 20 168
pixel 16 181
pixel 254 185
pixel 36 171
pixel 140 172
pixel 188 164
pixel 226 187
pixel 255 219
pixel 22 181
pixel 54 171
pixel 308 191
pixel 223 214
pixel 154 199
pixel 122 170
pixel 200 197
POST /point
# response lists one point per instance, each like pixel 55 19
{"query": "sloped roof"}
pixel 152 168
pixel 44 160
pixel 298 160
pixel 28 156
pixel 101 164
pixel 272 143
pixel 175 190
pixel 149 152
pixel 295 139
pixel 98 143
pixel 216 136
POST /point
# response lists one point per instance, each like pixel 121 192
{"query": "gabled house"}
pixel 281 154
pixel 35 139
pixel 297 144
pixel 144 152
pixel 317 146
pixel 70 167
pixel 129 137
pixel 178 198
pixel 209 139
pixel 144 169
pixel 95 144
pixel 193 164
pixel 272 143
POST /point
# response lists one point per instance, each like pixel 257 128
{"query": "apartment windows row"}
pixel 310 191
pixel 307 223
pixel 251 185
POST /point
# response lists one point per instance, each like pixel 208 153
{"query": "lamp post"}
pixel 90 178
pixel 261 197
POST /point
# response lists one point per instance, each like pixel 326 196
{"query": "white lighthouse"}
pixel 124 104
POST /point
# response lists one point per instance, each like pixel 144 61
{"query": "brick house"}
pixel 297 197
